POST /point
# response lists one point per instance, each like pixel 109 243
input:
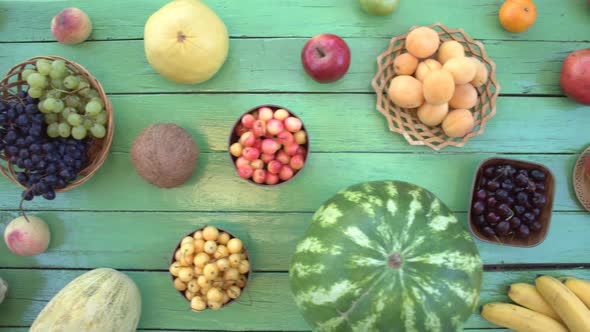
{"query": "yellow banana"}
pixel 527 296
pixel 520 319
pixel 568 306
pixel 579 287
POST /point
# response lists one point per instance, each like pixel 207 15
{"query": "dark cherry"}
pixel 519 209
pixel 536 211
pixel 539 200
pixel 522 197
pixel 504 210
pixel 502 228
pixel 521 180
pixel 540 186
pixel 491 202
pixel 538 175
pixel 509 200
pixel 482 183
pixel 508 185
pixel 492 186
pixel 515 222
pixel 510 170
pixel 528 216
pixel 489 171
pixel 523 172
pixel 501 195
pixel 480 221
pixel 531 187
pixel 492 218
pixel 536 226
pixel 489 232
pixel 523 231
pixel 499 170
pixel 478 208
pixel 481 194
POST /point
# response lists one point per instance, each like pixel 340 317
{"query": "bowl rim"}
pixel 232 236
pixel 274 107
pixel 550 177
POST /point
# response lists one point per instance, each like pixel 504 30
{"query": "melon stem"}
pixel 395 261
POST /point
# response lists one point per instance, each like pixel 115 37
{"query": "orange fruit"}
pixel 517 15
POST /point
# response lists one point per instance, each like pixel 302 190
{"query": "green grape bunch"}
pixel 72 108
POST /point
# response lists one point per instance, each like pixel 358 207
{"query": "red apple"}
pixel 326 58
pixel 575 76
pixel 71 26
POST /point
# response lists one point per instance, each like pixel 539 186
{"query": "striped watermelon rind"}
pixel 386 256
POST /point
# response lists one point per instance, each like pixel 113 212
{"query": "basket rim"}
pixel 379 84
pixel 105 143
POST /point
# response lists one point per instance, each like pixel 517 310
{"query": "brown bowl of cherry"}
pixel 511 202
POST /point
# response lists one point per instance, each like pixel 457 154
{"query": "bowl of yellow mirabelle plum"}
pixel 210 268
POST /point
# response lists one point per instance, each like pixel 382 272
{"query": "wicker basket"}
pixel 13 83
pixel 405 121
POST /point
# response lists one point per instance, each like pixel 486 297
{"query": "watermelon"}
pixel 386 256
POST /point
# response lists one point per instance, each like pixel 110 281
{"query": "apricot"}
pixel 425 67
pixel 432 115
pixel 463 69
pixel 465 96
pixel 406 91
pixel 422 42
pixel 458 123
pixel 439 87
pixel 405 64
pixel 450 49
pixel 481 74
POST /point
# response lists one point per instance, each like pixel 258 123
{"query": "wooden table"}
pixel 117 220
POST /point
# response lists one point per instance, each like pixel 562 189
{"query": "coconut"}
pixel 165 155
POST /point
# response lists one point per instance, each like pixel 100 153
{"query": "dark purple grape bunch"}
pixel 508 201
pixel 41 164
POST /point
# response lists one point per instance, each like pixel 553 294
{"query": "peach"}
pixel 27 238
pixel 71 26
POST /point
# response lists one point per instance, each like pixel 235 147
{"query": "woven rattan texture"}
pixel 582 181
pixel 13 83
pixel 405 121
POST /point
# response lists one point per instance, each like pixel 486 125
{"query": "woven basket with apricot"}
pixel 56 126
pixel 436 86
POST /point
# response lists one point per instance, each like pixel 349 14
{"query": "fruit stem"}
pixel 395 261
pixel 20 206
pixel 70 92
pixel 320 52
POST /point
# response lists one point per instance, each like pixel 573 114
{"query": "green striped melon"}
pixel 386 256
pixel 102 300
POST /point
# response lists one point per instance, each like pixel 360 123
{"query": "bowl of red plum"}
pixel 511 202
pixel 268 145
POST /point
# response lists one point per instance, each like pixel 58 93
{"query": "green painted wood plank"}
pixel 210 117
pixel 163 308
pixel 216 186
pixel 90 239
pixel 263 65
pixel 557 20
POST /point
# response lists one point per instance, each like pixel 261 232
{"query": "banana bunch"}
pixel 551 305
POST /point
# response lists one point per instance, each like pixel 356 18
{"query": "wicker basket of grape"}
pixel 56 126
